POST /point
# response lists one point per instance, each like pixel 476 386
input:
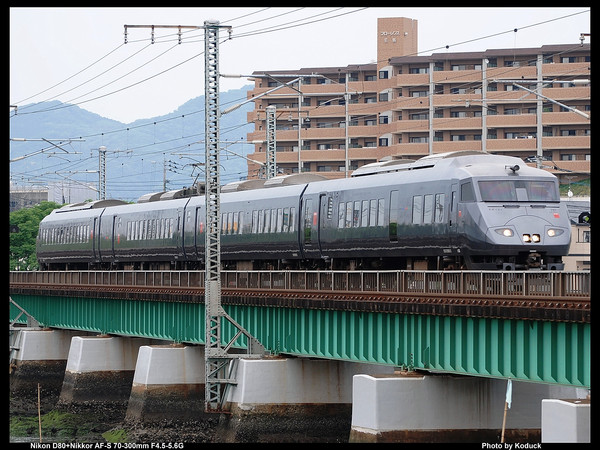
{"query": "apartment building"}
pixel 332 120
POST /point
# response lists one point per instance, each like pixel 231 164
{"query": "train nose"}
pixel 532 230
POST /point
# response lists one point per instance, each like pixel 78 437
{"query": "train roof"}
pixel 475 163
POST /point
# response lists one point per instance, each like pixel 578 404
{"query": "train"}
pixel 464 210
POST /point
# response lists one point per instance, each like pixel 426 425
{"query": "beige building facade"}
pixel 332 120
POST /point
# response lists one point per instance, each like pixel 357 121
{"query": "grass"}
pixel 119 435
pixel 55 425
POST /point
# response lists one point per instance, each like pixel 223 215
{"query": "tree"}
pixel 24 225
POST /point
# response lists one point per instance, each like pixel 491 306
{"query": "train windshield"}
pixel 518 191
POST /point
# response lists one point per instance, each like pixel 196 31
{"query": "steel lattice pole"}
pixel 271 158
pixel 212 243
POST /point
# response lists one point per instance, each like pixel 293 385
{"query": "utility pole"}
pixel 102 170
pixel 219 363
pixel 102 173
pixel 271 158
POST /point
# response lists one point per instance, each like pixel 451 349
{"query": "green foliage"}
pixel 115 436
pixel 55 424
pixel 579 188
pixel 22 242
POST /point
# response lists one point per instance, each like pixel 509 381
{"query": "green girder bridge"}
pixel 530 326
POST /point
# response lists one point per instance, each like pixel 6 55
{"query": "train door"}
pixel 310 220
pixel 94 236
pixel 199 236
pixel 325 217
pixel 453 216
pixel 393 224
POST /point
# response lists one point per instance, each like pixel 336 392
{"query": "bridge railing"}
pixel 517 283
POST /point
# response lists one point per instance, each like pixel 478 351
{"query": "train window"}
pixel 417 212
pixel 428 209
pixel 273 220
pixel 349 215
pixel 261 220
pixel 380 212
pixel 356 215
pixel 267 220
pixel 308 221
pixel 373 213
pixel 236 226
pixel 170 228
pixel 341 214
pixel 254 221
pixel 286 220
pixel 466 192
pixel 439 207
pixel 518 190
pixel 292 219
pixel 365 214
pixel 329 207
pixel 279 219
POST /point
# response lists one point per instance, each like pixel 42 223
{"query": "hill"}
pixel 138 154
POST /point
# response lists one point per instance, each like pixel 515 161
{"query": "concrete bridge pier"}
pixel 412 407
pixel 291 400
pixel 168 383
pixel 40 357
pixel 100 369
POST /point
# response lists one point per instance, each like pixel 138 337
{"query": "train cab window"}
pixel 518 190
pixel 466 192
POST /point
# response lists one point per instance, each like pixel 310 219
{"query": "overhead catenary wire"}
pixel 258 32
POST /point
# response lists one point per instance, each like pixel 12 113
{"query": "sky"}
pixel 79 55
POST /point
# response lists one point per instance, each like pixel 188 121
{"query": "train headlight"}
pixel 526 238
pixel 551 232
pixel 535 237
pixel 506 232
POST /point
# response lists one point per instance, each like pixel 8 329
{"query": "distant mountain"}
pixel 137 153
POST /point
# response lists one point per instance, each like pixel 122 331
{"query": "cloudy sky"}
pixel 78 55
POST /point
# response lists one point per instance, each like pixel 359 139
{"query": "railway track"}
pixel 533 307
